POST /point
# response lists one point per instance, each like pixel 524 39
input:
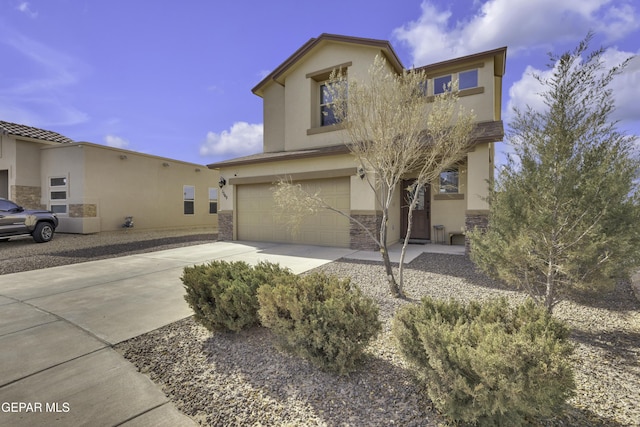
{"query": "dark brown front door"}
pixel 421 223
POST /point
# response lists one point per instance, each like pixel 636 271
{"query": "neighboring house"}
pixel 93 187
pixel 300 144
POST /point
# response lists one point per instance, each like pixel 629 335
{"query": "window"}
pixel 422 194
pixel 213 200
pixel 327 116
pixel 58 192
pixel 422 88
pixel 468 79
pixel 441 84
pixel 449 181
pixel 189 192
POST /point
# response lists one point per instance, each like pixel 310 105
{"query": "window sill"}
pixel 463 92
pixel 324 129
pixel 452 196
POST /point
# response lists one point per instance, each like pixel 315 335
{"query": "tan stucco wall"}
pixel 27 163
pixel 482 104
pixel 7 162
pixel 362 198
pixel 292 122
pixel 296 105
pixel 292 110
pixel 274 118
pixel 124 183
pixel 480 166
pixel 21 161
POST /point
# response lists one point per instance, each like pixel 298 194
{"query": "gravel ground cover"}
pixel 226 379
pixel 241 379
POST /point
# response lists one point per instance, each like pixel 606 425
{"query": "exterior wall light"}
pixel 222 182
pixel 165 164
pixel 123 157
pixel 361 172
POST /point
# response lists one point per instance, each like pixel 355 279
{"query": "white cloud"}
pixel 526 92
pixel 116 141
pixel 520 24
pixel 242 139
pixel 625 88
pixel 25 8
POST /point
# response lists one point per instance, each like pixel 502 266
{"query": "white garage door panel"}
pixel 256 219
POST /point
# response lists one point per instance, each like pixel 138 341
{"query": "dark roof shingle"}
pixel 31 132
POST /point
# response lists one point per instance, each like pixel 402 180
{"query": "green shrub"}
pixel 321 318
pixel 487 363
pixel 223 294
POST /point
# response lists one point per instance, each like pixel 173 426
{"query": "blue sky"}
pixel 173 78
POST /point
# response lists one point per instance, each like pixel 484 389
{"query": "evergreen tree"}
pixel 565 211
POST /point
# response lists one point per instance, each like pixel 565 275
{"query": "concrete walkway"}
pixel 58 327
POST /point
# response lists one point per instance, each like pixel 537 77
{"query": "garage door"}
pixel 257 222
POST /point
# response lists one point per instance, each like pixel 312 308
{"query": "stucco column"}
pixel 480 174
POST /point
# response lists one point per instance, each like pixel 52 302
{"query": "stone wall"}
pixel 359 238
pixel 225 225
pixel 83 210
pixel 475 219
pixel 27 196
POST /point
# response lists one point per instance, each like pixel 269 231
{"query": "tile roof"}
pixel 31 132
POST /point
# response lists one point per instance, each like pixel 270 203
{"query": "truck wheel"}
pixel 43 232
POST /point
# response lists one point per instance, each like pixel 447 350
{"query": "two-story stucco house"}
pixel 93 188
pixel 300 145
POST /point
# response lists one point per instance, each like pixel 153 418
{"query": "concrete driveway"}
pixel 58 327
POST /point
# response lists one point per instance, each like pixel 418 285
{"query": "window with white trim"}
pixel 213 200
pixel 189 197
pixel 58 193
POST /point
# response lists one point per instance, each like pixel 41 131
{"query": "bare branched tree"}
pixel 446 140
pixel 394 131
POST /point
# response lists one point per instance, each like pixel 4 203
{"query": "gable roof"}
pixel 275 75
pixel 499 55
pixel 34 133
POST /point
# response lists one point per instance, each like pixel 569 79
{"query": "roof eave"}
pixel 384 45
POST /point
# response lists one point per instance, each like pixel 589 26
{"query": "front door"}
pixel 421 223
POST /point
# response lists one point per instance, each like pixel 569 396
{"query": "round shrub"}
pixel 320 318
pixel 490 363
pixel 223 294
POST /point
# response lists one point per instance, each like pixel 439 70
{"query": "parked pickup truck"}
pixel 17 221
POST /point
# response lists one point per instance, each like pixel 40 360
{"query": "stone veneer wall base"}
pixel 27 196
pixel 359 238
pixel 475 219
pixel 225 226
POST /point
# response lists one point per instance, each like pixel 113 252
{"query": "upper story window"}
pixel 468 79
pixel 323 117
pixel 327 115
pixel 442 84
pixel 423 88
